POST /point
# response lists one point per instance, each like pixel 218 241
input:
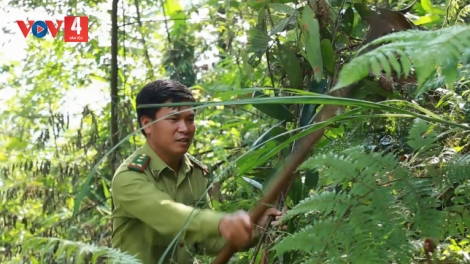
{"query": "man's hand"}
pixel 276 221
pixel 237 229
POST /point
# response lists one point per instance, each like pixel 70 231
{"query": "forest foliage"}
pixel 384 85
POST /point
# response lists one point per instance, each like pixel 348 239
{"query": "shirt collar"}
pixel 157 165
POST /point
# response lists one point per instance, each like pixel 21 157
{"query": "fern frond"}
pixel 373 219
pixel 374 165
pixel 323 202
pixel 65 248
pixel 458 221
pixel 425 50
pixel 465 12
pixel 418 198
pixel 359 238
pixel 339 166
pixel 420 137
pixel 457 169
pixel 298 241
pixel 452 9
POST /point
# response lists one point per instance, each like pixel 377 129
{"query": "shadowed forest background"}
pixel 384 83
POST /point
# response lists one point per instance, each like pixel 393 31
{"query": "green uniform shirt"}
pixel 153 204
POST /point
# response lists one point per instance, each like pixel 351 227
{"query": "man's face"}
pixel 173 134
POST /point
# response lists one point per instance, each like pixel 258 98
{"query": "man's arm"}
pixel 212 246
pixel 155 208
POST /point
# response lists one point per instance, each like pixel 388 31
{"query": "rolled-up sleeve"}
pixel 157 209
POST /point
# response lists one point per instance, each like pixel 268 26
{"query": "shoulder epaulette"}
pixel 197 163
pixel 139 163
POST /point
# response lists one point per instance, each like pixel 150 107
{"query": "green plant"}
pixel 66 251
pixel 385 205
pixel 441 49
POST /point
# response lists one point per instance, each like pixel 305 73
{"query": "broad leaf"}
pixel 279 134
pixel 348 20
pixel 175 12
pixel 298 191
pixel 311 41
pixel 257 4
pixel 254 183
pixel 258 40
pixel 291 66
pixel 277 111
pixel 283 24
pixel 311 179
pixel 309 110
pixel 283 8
pixel 328 56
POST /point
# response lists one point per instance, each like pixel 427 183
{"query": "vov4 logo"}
pixel 75 28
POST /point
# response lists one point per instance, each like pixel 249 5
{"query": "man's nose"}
pixel 182 127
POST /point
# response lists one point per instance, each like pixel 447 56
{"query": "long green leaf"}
pixel 319 99
pixel 265 136
pixel 311 41
pixel 291 66
pixel 276 111
pixel 328 56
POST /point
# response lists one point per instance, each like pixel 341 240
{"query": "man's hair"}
pixel 159 92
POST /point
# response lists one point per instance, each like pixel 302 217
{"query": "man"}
pixel 157 190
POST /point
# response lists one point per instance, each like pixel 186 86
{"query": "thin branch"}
pixel 166 22
pixel 114 89
pixel 337 24
pixel 347 48
pixel 153 21
pixel 144 43
pixel 268 59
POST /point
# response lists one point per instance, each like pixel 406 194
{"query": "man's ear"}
pixel 145 120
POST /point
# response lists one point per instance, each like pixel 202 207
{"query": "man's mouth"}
pixel 186 140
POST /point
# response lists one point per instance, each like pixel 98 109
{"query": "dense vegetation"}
pixel 383 83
